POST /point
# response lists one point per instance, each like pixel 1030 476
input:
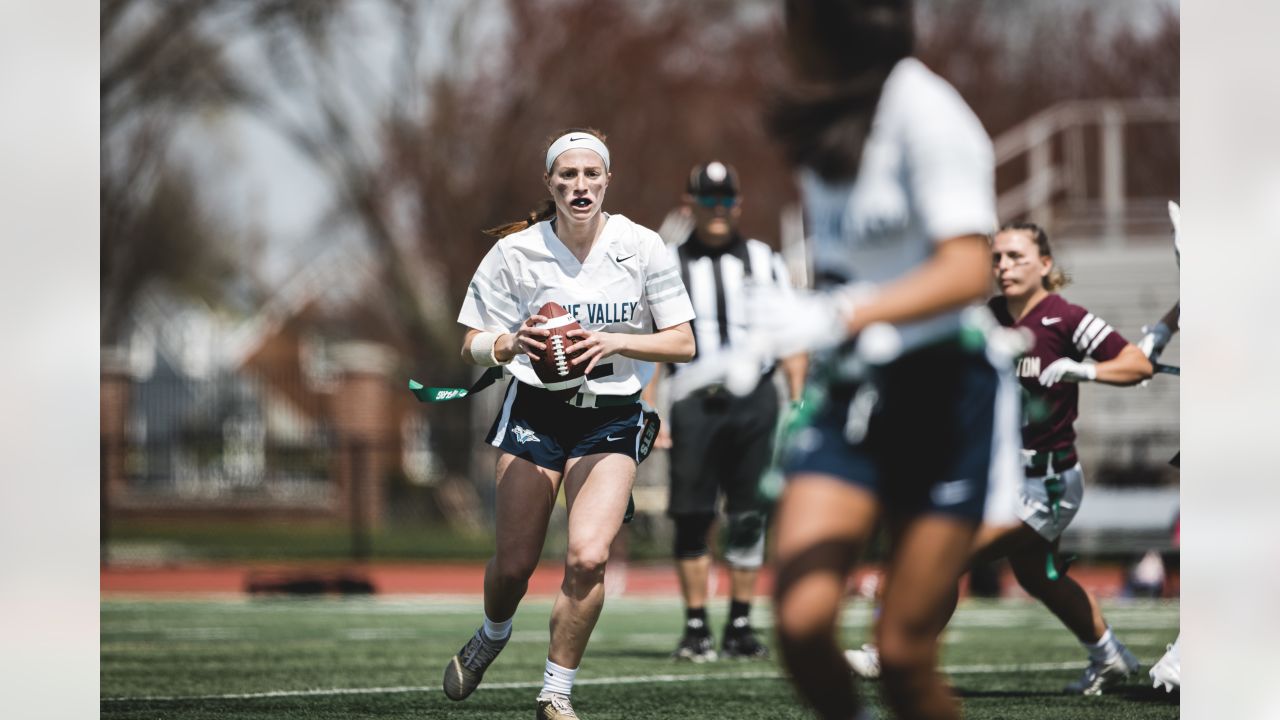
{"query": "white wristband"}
pixel 483 350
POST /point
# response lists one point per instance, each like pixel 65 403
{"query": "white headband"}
pixel 576 140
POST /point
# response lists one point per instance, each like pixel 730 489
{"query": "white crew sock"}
pixel 558 679
pixel 497 631
pixel 1105 649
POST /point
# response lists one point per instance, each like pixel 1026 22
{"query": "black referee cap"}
pixel 713 178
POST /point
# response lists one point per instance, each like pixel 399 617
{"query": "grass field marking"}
pixel 624 680
pixel 1020 668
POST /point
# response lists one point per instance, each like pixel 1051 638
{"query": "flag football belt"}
pixel 494 374
pixel 648 433
pixel 1048 462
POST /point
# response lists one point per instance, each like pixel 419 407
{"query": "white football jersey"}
pixel 927 174
pixel 628 284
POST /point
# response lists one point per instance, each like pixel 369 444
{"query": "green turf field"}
pixel 383 658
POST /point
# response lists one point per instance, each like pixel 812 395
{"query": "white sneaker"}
pixel 554 706
pixel 1168 672
pixel 1101 675
pixel 864 661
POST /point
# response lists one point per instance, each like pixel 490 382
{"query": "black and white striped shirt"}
pixel 715 279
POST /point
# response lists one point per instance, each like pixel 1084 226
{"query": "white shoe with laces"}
pixel 1104 674
pixel 865 661
pixel 554 706
pixel 1167 673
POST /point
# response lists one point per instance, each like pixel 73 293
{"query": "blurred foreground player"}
pixel 617 277
pixel 1065 335
pixel 721 444
pixel 919 426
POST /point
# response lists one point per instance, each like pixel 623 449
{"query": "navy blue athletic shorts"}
pixel 922 442
pixel 539 426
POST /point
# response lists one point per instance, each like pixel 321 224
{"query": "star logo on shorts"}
pixel 524 435
pixel 952 492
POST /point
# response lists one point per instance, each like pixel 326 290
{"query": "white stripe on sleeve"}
pixel 1101 336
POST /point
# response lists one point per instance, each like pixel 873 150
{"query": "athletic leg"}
pixel 991 542
pixel 748 453
pixel 525 495
pixel 928 557
pixel 693 574
pixel 822 525
pixel 596 492
pixel 1072 604
pixel 693 566
pixel 694 468
pixel 744 555
pixel 1110 662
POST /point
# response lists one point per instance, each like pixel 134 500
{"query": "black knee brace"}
pixel 691 535
pixel 746 540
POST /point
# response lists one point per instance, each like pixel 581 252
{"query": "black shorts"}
pixel 539 426
pixel 721 443
pixel 940 436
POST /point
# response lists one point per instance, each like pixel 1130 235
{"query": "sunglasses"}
pixel 710 201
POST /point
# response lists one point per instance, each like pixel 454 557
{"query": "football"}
pixel 554 369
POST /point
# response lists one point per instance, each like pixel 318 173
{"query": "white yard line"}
pixel 626 680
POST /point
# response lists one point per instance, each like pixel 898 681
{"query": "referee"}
pixel 721 444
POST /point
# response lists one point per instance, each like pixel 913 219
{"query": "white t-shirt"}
pixel 628 284
pixel 927 174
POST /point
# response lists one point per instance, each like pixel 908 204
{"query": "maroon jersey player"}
pixel 1066 336
pixel 1063 332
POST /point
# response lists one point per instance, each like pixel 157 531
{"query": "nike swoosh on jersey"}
pixel 611 438
pixel 1050 321
pixel 623 259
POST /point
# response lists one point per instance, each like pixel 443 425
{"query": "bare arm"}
pixel 528 340
pixel 650 392
pixel 673 344
pixel 650 396
pixel 958 274
pixel 794 368
pixel 1130 367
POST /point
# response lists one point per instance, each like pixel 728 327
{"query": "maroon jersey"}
pixel 1061 330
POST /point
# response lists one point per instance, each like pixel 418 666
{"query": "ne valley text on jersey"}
pixel 628 283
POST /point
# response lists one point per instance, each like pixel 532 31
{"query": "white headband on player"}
pixel 574 140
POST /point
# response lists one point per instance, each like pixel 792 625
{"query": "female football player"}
pixel 618 280
pixel 1065 335
pixel 897 176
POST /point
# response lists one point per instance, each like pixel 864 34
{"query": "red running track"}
pixel 465 579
